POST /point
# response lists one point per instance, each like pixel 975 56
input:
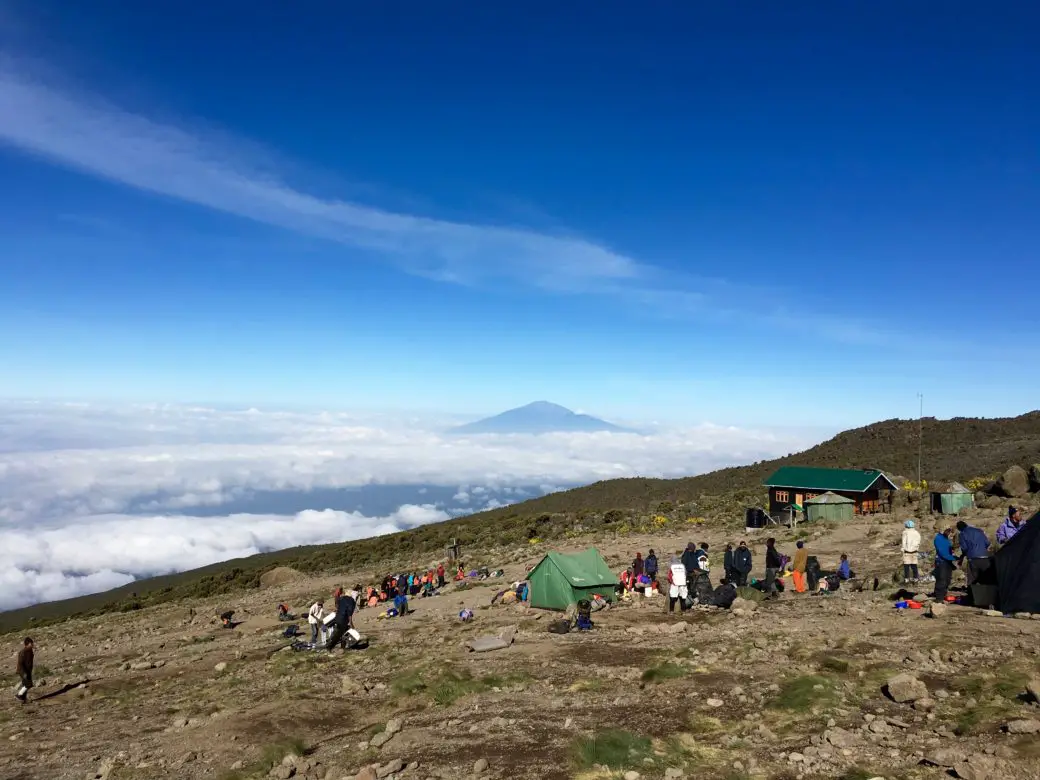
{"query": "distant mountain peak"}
pixel 538 417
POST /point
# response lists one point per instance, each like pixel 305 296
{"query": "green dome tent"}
pixel 560 580
pixel 829 506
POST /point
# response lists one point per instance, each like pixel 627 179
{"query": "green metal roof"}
pixel 830 498
pixel 849 480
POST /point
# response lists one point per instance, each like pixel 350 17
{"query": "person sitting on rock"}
pixel 844 570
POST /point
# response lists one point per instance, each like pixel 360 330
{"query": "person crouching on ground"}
pixel 25 669
pixel 844 570
pixel 798 567
pixel 345 608
pixel 314 617
pixel 677 590
pixel 401 604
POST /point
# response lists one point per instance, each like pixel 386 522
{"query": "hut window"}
pixel 783 495
pixel 810 495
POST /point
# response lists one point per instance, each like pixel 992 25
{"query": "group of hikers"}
pixel 974 551
pixel 689 573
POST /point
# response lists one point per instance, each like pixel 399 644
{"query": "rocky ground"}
pixel 839 686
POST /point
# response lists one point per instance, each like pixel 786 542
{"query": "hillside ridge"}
pixel 957 449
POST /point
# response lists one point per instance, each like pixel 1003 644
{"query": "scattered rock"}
pixel 678 628
pixel 141 666
pixel 220 667
pixel 392 768
pixel 632 775
pixel 1024 726
pixel 905 688
pixel 1013 483
pixel 1033 688
pixel 945 757
pixel 924 705
pixel 368 773
pixel 937 610
pixel 393 726
pixel 715 703
pixel 969 770
pixel 380 739
pixel 480 766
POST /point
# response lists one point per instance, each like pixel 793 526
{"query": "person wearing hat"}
pixel 799 566
pixel 1012 525
pixel 911 548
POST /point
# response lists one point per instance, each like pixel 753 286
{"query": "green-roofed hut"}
pixel 799 484
pixel 829 506
pixel 949 498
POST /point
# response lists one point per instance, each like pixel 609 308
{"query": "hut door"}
pixel 798 499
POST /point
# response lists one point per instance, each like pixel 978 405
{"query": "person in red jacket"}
pixel 440 575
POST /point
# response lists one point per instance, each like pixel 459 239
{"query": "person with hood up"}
pixel 650 566
pixel 798 567
pixel 677 589
pixel 774 563
pixel 1012 525
pixel 944 563
pixel 638 566
pixel 911 546
pixel 729 570
pixel 344 623
pixel 742 564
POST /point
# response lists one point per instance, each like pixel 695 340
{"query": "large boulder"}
pixel 1013 483
pixel 1034 478
pixel 906 688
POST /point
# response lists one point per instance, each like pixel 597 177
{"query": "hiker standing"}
pixel 689 560
pixel 314 618
pixel 677 589
pixel 650 566
pixel 774 563
pixel 440 575
pixel 638 566
pixel 974 549
pixel 911 545
pixel 944 563
pixel 742 563
pixel 729 569
pixel 1011 526
pixel 798 567
pixel 25 669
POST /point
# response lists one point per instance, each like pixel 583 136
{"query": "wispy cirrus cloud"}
pixel 96 137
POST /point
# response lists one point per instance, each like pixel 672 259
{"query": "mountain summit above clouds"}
pixel 538 417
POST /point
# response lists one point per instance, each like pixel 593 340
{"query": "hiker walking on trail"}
pixel 742 564
pixel 911 545
pixel 774 563
pixel 798 567
pixel 25 669
pixel 314 618
pixel 1012 525
pixel 944 563
pixel 650 566
pixel 974 549
pixel 677 590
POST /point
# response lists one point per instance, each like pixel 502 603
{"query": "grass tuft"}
pixel 803 693
pixel 839 665
pixel 614 748
pixel 665 671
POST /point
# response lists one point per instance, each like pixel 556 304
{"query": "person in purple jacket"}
pixel 1012 525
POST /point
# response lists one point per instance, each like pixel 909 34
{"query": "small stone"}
pixel 368 773
pixel 715 703
pixel 220 667
pixel 393 726
pixel 993 613
pixel 968 770
pixel 237 765
pixel 937 609
pixel 905 688
pixel 392 768
pixel 380 739
pixel 480 766
pixel 632 774
pixel 924 705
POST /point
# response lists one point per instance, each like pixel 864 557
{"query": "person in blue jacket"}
pixel 975 550
pixel 944 563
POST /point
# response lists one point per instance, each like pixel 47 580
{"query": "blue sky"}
pixel 742 212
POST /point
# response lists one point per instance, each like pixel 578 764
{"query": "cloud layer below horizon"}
pixel 92 498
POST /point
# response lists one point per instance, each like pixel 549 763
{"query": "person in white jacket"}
pixel 314 617
pixel 911 546
pixel 677 590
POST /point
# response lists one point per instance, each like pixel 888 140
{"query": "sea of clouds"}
pixel 93 497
